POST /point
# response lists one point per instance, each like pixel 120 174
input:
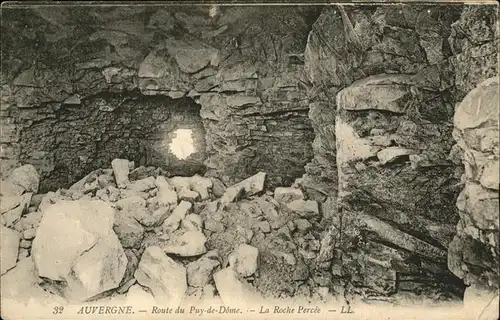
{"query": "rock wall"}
pixel 474 251
pixel 397 73
pixel 240 65
pixel 67 141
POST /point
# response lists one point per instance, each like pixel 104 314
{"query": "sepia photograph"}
pixel 250 160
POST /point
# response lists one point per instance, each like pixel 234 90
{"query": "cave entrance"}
pixel 149 130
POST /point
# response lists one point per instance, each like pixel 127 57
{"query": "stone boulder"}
pixel 14 214
pixel 75 243
pixel 134 206
pixel 282 194
pixel 20 180
pixel 192 188
pixel 199 272
pixel 90 182
pixel 248 187
pixel 304 208
pixel 233 291
pixel 139 297
pixel 166 195
pixel 165 277
pixel 183 187
pixel 191 60
pixel 387 92
pixel 244 260
pixel 480 303
pixel 192 222
pixel 173 221
pixel 201 185
pixel 20 286
pixel 143 185
pixel 121 168
pixel 190 243
pixel 392 153
pixel 480 107
pixel 129 230
pixel 9 247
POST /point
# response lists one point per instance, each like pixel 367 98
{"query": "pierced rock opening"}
pixel 149 130
pixel 182 144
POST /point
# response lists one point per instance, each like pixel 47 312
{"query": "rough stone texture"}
pixel 288 194
pixel 86 253
pixel 474 253
pixel 244 260
pixel 378 178
pixel 22 179
pixel 21 286
pixel 13 215
pixel 129 231
pixel 393 74
pixel 165 277
pixel 481 304
pixel 173 221
pixel 199 272
pixel 248 187
pixel 232 290
pixel 99 90
pixel 120 171
pixel 10 246
pixel 305 208
pixel 257 86
pixel 166 194
pixel 190 243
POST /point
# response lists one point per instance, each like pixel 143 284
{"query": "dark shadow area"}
pixel 84 137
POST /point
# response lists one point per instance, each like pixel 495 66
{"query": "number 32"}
pixel 58 310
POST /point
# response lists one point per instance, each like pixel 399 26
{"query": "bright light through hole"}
pixel 182 144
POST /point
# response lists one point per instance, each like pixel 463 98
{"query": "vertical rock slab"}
pixel 474 252
pixel 9 247
pixel 121 170
pixel 388 196
pixel 75 243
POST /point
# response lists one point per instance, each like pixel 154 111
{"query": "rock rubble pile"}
pixel 125 230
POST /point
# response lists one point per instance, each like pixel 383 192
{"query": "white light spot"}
pixel 213 11
pixel 182 143
pixel 428 11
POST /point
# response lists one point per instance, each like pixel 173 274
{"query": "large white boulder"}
pixel 165 277
pixel 75 242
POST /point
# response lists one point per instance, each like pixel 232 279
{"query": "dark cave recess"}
pixel 79 138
